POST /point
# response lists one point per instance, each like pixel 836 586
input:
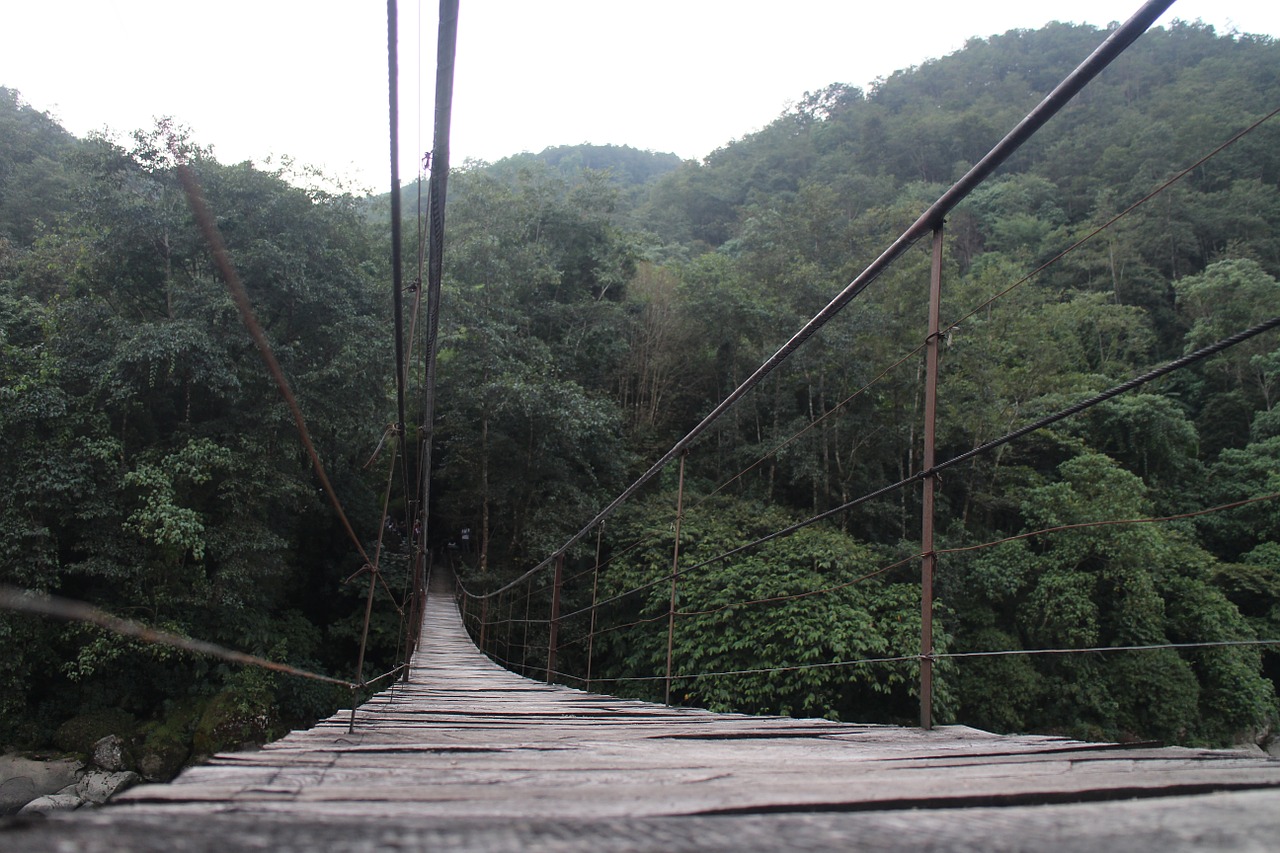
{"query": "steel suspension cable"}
pixel 393 108
pixel 951 326
pixel 222 259
pixel 446 47
pixel 1236 137
pixel 1115 44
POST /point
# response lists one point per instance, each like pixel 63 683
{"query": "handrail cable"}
pixel 1099 59
pixel 1236 137
pixel 1023 280
pixel 776 599
pixel 1030 534
pixel 862 390
pixel 899 563
pixel 1206 644
pixel 1048 420
pixel 25 601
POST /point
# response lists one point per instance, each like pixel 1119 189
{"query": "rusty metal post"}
pixel 524 641
pixel 414 629
pixel 675 569
pixel 929 484
pixel 595 588
pixel 499 639
pixel 554 630
pixel 364 633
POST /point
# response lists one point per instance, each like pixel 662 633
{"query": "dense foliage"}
pixel 733 253
pixel 598 303
pixel 149 465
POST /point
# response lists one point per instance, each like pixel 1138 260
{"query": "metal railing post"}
pixel 524 639
pixel 499 638
pixel 595 589
pixel 675 576
pixel 414 627
pixel 928 484
pixel 554 629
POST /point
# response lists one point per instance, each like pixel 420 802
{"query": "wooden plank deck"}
pixel 471 756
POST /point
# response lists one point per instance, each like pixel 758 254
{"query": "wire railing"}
pixel 556 637
pixel 549 626
pixel 407 603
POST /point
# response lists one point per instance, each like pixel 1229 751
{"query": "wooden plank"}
pixel 469 745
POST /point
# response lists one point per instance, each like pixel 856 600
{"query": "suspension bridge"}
pixel 469 755
pixel 464 753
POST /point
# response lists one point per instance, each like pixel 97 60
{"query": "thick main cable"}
pixel 393 97
pixel 1102 56
pixel 446 46
pixel 222 259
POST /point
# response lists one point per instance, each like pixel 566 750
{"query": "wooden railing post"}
pixel 484 621
pixel 929 485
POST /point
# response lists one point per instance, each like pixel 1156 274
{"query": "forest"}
pixel 598 301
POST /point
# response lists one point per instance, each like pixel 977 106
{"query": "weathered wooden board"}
pixel 470 755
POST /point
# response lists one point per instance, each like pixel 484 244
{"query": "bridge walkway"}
pixel 468 755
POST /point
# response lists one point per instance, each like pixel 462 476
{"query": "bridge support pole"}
pixel 929 484
pixel 511 621
pixel 414 628
pixel 524 638
pixel 595 590
pixel 484 622
pixel 497 620
pixel 554 632
pixel 675 576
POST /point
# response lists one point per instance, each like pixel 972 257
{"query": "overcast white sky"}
pixel 308 78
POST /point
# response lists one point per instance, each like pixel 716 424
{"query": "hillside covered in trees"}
pixel 598 303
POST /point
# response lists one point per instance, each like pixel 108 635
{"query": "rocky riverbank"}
pixel 30 785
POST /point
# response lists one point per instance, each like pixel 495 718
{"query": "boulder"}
pixel 109 753
pixel 15 793
pixel 24 779
pixel 233 720
pixel 166 748
pixel 161 765
pixel 81 732
pixel 52 803
pixel 98 786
